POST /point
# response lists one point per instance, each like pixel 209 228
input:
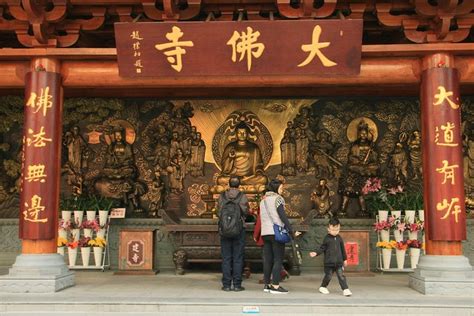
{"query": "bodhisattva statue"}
pixel 362 164
pixel 288 154
pixel 414 145
pixel 120 163
pixel 243 158
pixel 76 149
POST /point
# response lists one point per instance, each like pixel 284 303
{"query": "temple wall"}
pixel 10 245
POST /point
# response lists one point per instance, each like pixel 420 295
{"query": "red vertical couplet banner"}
pixel 39 191
pixel 442 155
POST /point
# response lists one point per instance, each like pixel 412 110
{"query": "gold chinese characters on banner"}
pixel 239 48
pixel 40 151
pixel 443 155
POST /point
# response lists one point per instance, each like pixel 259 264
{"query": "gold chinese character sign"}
pixel 302 47
pixel 39 192
pixel 442 154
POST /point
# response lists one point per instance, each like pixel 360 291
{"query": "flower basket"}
pixel 412 235
pixel 86 254
pixel 66 215
pixel 410 216
pixel 98 251
pixel 399 228
pixel 98 245
pixel 401 248
pixel 61 250
pixel 101 233
pixel 76 232
pixel 383 215
pixel 62 233
pixel 414 257
pixel 386 252
pixel 400 258
pixel 386 258
pixel 396 214
pixel 103 214
pixel 421 215
pixel 384 235
pixel 72 255
pixel 88 232
pixel 78 216
pixel 415 248
pixel 90 215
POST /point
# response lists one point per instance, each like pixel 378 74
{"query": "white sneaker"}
pixel 323 290
pixel 347 292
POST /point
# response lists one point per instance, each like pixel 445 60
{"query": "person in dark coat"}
pixel 232 249
pixel 335 258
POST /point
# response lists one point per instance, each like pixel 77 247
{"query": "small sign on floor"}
pixel 250 310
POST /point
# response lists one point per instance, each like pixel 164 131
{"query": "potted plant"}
pixel 85 250
pixel 387 247
pixel 61 243
pixel 401 248
pixel 415 247
pixel 98 245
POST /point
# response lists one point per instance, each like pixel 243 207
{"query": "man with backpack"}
pixel 233 208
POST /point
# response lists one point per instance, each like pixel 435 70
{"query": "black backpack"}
pixel 230 217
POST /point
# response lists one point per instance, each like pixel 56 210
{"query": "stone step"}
pixel 288 308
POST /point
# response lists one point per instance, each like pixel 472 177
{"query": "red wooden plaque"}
pixel 135 253
pixel 173 49
pixel 352 251
pixel 442 155
pixel 39 193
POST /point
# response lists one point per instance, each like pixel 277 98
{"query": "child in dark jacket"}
pixel 335 257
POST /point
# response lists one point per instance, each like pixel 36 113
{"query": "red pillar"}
pixel 442 156
pixel 39 197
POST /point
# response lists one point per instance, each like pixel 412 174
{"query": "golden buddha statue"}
pixel 242 158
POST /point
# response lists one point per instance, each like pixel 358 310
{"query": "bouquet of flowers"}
pixel 62 242
pixel 387 244
pixel 384 225
pixel 416 226
pixel 415 244
pixel 93 224
pixel 97 242
pixel 380 197
pixel 84 242
pixel 72 244
pixel 66 225
pixel 400 225
pixel 401 245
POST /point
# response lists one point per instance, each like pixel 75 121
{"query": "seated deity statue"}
pixel 243 158
pixel 119 161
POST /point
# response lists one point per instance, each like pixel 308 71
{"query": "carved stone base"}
pixel 443 275
pixel 37 273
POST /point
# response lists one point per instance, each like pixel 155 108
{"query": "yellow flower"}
pixel 97 242
pixel 387 244
pixel 62 242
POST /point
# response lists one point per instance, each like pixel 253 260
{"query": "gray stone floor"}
pixel 198 293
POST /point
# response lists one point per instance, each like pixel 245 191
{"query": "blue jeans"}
pixel 232 251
